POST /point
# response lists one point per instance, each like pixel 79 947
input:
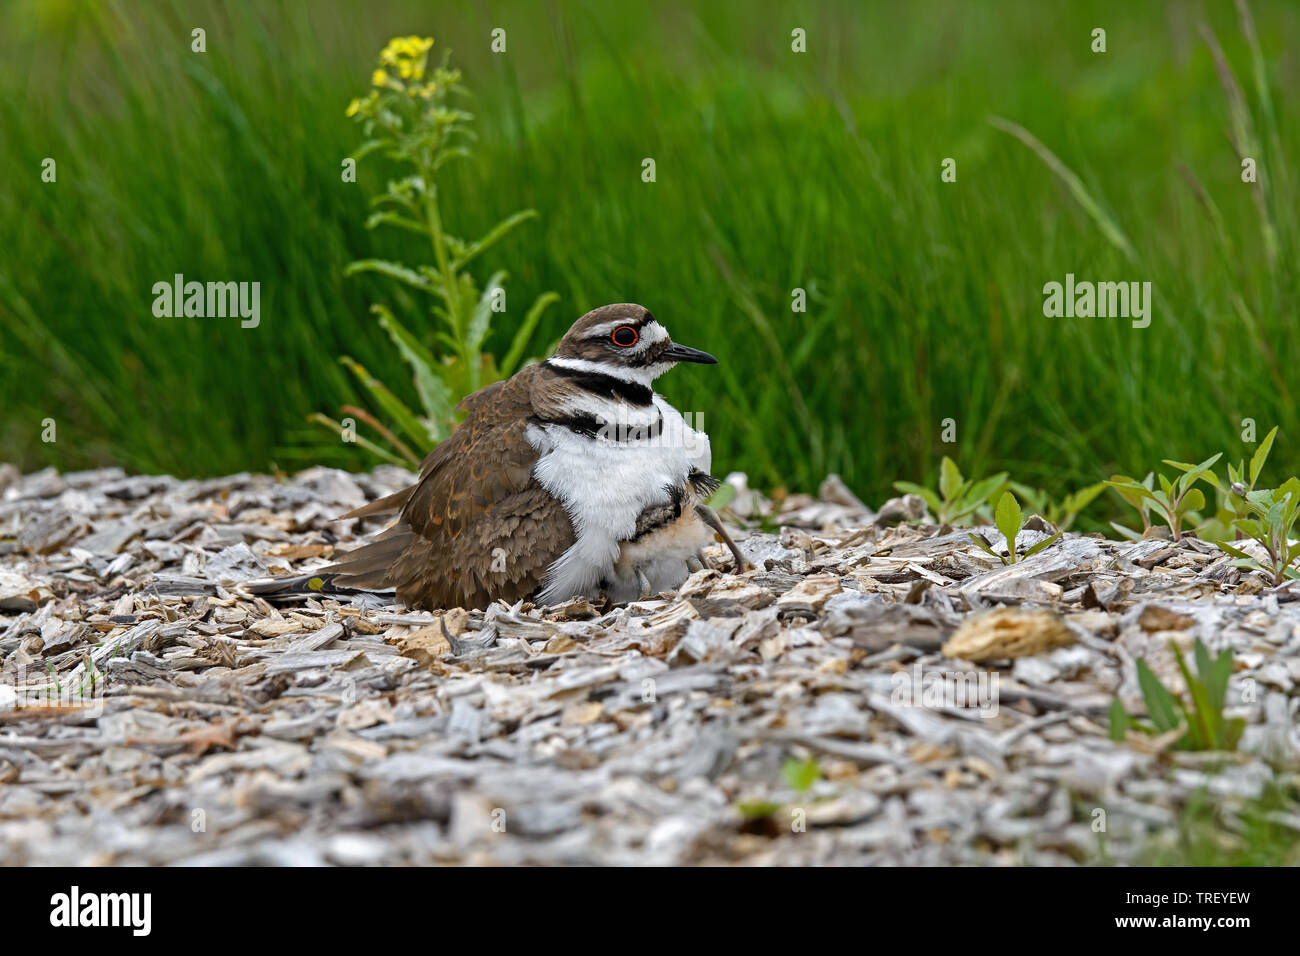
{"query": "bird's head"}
pixel 626 341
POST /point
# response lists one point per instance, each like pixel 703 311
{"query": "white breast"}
pixel 604 485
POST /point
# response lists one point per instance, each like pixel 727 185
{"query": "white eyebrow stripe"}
pixel 607 328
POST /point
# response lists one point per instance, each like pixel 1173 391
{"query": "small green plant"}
pixel 1200 718
pixel 957 499
pixel 1009 519
pixel 1269 518
pixel 801 774
pixel 1173 501
pixel 722 497
pixel 1232 497
pixel 1140 501
pixel 1218 830
pixel 1060 514
pixel 1238 488
pixel 411 118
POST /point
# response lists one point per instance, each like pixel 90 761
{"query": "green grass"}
pixel 1225 832
pixel 775 171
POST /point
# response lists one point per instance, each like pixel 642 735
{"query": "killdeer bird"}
pixel 571 478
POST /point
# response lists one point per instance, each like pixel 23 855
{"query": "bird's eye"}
pixel 625 336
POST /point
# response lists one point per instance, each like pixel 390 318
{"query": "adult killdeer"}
pixel 571 478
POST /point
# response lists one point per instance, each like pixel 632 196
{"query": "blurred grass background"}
pixel 775 170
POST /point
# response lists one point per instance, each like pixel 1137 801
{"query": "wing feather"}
pixel 477 526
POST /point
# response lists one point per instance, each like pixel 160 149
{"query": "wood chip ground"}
pixel 165 699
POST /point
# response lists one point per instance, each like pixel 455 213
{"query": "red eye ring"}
pixel 622 340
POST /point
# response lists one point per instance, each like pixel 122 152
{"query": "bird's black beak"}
pixel 684 353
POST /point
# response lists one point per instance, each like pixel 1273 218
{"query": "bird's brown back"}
pixel 476 527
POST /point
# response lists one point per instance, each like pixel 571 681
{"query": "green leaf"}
pixel 1134 493
pixel 435 397
pixel 1008 519
pixel 1261 455
pixel 985 546
pixel 393 407
pixel 1128 533
pixel 950 480
pixel 1290 489
pixel 481 318
pixel 757 809
pixel 1083 497
pixel 1161 704
pixel 1202 472
pixel 1046 542
pixel 394 270
pixel 1224 546
pixel 1109 227
pixel 1119 721
pixel 1035 499
pixel 1251 528
pixel 1232 731
pixel 801 774
pixel 1202 722
pixel 492 237
pixel 1262 499
pixel 448 155
pixel 368 147
pixel 1214 673
pixel 387 217
pixel 376 450
pixel 976 493
pixel 722 497
pixel 1193 500
pixel 524 333
pixel 1273 520
pixel 931 499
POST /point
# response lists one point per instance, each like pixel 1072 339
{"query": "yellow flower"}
pixel 354 107
pixel 406 56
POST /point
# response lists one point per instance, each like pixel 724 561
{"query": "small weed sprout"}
pixel 1009 519
pixel 956 500
pixel 1270 517
pixel 801 774
pixel 1059 514
pixel 1200 718
pixel 1173 501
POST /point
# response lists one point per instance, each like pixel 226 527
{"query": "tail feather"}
pixel 368 566
pixel 389 504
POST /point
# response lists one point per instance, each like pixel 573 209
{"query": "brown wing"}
pixel 477 526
